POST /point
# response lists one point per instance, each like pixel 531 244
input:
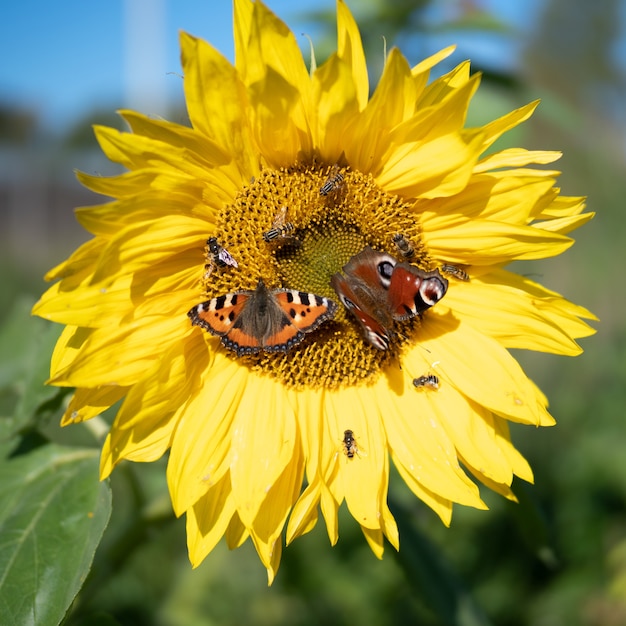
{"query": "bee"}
pixel 216 256
pixel 404 246
pixel 281 228
pixel 430 381
pixel 349 444
pixel 455 271
pixel 333 182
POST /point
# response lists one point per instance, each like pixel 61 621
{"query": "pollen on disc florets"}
pixel 317 234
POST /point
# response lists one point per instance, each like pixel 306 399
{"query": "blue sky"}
pixel 61 59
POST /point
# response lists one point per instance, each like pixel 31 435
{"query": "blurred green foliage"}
pixel 556 558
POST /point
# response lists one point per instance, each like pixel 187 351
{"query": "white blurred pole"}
pixel 145 56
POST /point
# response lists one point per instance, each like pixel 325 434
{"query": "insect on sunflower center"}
pixel 294 228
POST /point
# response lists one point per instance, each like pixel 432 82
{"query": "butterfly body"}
pixel 270 320
pixel 379 291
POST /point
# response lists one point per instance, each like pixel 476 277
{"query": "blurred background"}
pixel 559 557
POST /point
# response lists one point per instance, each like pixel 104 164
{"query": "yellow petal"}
pixel 303 517
pixel 107 219
pixel 90 305
pixel 489 242
pixel 441 506
pixel 330 508
pixel 468 425
pixel 514 317
pixel 310 416
pixel 440 167
pixel 270 520
pixel 505 197
pixel 242 10
pixel 336 107
pixel 564 225
pixel 280 89
pixel 515 157
pixel 422 446
pixel 494 130
pixel 200 454
pixel 222 116
pixel 479 367
pixel 375 540
pixel 87 403
pixel 236 533
pixel 79 266
pixel 392 103
pixel 429 62
pixel 131 183
pixel 519 464
pixel 362 477
pixel 144 425
pixel 562 206
pixel 208 519
pixel 120 356
pixel 135 152
pixel 142 245
pixel 350 51
pixel 388 523
pixel 192 144
pixel 261 449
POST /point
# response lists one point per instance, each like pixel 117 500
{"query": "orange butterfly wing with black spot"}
pixel 270 320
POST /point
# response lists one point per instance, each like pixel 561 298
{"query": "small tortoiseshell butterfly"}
pixel 271 320
pixel 379 291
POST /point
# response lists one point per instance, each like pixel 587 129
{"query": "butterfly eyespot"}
pixel 432 291
pixel 385 269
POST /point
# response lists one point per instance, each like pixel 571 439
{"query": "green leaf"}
pixel 26 344
pixel 53 511
pixel 433 576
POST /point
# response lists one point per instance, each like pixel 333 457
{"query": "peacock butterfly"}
pixel 379 291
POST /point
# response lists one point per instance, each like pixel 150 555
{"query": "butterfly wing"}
pixel 372 268
pixel 218 315
pixel 251 321
pixel 413 291
pixel 305 311
pixel 357 301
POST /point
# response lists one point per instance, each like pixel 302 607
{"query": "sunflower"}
pixel 307 283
